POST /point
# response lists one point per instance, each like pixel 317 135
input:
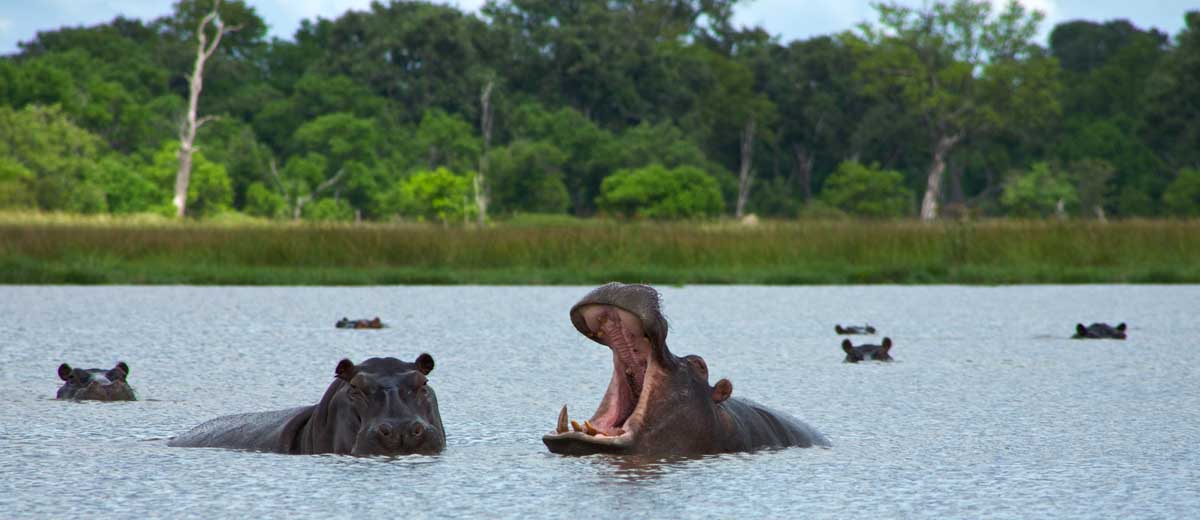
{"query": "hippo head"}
pixel 95 384
pixel 864 352
pixel 655 402
pixel 390 407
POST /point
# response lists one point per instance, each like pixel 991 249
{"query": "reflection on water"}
pixel 989 411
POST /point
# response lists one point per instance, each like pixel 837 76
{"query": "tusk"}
pixel 562 421
pixel 575 426
pixel 589 429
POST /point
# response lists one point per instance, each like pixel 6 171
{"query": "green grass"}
pixel 56 249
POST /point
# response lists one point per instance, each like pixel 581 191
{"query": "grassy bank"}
pixel 53 249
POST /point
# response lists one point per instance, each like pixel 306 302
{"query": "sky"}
pixel 20 20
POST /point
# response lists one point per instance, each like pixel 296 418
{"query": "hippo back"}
pixel 273 431
pixel 758 426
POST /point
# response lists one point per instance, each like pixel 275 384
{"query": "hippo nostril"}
pixel 417 431
pixel 385 430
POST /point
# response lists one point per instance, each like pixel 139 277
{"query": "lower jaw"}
pixel 579 443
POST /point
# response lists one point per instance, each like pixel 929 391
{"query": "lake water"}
pixel 989 411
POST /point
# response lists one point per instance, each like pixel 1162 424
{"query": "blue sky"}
pixel 21 19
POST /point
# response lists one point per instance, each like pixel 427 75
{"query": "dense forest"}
pixel 656 109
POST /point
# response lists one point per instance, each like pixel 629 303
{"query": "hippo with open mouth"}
pixel 1099 331
pixel 95 384
pixel 867 351
pixel 382 406
pixel 657 403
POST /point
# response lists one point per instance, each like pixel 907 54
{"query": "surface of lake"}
pixel 989 410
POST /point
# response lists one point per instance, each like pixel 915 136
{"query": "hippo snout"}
pixel 401 435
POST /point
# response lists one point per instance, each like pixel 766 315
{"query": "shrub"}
pixel 658 193
pixel 867 191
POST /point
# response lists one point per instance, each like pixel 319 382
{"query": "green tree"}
pixel 962 72
pixel 656 192
pixel 527 177
pixel 1039 192
pixel 126 190
pixel 437 194
pixel 867 191
pixel 16 183
pixel 209 191
pixel 60 156
pixel 1182 197
pixel 1171 121
pixel 261 201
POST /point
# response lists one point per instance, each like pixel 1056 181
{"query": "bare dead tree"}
pixel 297 200
pixel 187 133
pixel 485 126
pixel 744 171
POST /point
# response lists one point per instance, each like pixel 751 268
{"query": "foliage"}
pixel 438 194
pixel 1182 197
pixel 332 122
pixel 527 177
pixel 209 192
pixel 867 191
pixel 656 192
pixel 1037 192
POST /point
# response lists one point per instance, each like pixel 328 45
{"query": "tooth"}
pixel 575 426
pixel 562 421
pixel 589 429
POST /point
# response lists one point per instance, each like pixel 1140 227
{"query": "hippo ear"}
pixel 1121 327
pixel 124 367
pixel 1080 329
pixel 64 372
pixel 722 391
pixel 887 345
pixel 698 364
pixel 847 347
pixel 425 363
pixel 344 370
pixel 838 329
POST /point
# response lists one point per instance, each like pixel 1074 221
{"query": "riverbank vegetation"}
pixel 639 109
pixel 149 249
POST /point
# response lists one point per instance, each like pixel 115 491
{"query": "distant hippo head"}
pixel 95 384
pixel 863 352
pixel 386 406
pixel 1099 331
pixel 655 402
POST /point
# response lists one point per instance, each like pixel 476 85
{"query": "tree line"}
pixel 656 109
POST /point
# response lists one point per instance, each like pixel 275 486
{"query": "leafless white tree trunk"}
pixel 297 200
pixel 933 185
pixel 744 170
pixel 187 134
pixel 485 126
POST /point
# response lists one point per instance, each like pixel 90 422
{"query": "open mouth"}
pixel 619 414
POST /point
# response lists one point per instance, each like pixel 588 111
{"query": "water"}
pixel 988 412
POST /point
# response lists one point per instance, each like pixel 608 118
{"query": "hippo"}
pixel 854 329
pixel 658 403
pixel 382 406
pixel 95 384
pixel 862 352
pixel 346 323
pixel 1099 331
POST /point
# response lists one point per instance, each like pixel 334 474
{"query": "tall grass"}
pixel 57 249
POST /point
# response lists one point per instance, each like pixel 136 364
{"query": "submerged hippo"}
pixel 382 406
pixel 1099 331
pixel 657 403
pixel 346 323
pixel 854 329
pixel 95 384
pixel 862 352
